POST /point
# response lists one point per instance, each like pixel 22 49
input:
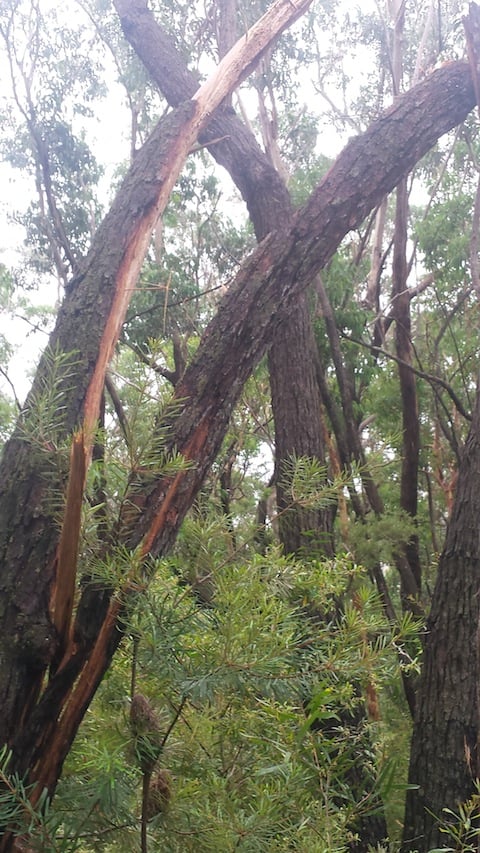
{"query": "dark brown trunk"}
pixel 408 391
pixel 33 473
pixel 444 758
pixel 282 267
pixel 270 210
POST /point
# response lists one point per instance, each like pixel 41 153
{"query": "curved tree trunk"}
pixel 270 209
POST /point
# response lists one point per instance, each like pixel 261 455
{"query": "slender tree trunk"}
pixel 408 392
pixel 408 561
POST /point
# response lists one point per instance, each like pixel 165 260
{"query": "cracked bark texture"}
pixel 444 760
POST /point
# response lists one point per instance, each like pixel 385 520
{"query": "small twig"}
pixel 199 147
pixel 12 387
pixel 178 711
pixel 147 776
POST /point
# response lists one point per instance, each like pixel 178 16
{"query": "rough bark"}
pixel 85 334
pixel 285 262
pixel 264 291
pixel 231 346
pixel 444 755
pixel 296 401
pixel 296 405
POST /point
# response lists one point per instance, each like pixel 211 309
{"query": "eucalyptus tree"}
pixel 58 644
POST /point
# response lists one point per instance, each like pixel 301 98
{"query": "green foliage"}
pixel 74 174
pixel 55 75
pixel 253 666
pixel 461 827
pixel 44 427
pixel 252 691
pixel 14 307
pixel 379 538
pixel 17 811
pixel 202 248
pixel 306 480
pixel 444 236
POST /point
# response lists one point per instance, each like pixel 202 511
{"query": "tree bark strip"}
pixel 408 391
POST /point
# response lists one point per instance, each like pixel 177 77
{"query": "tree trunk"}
pixel 295 394
pixel 298 430
pixel 73 371
pixel 444 757
pixel 408 561
pixel 408 391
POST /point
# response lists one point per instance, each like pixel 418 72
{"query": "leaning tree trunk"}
pixel 41 719
pixel 444 754
pixel 39 552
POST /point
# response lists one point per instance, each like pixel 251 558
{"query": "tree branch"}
pixel 429 377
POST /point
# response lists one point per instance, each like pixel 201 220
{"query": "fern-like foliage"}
pixel 252 687
pixel 42 422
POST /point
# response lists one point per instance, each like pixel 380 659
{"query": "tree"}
pixel 78 650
